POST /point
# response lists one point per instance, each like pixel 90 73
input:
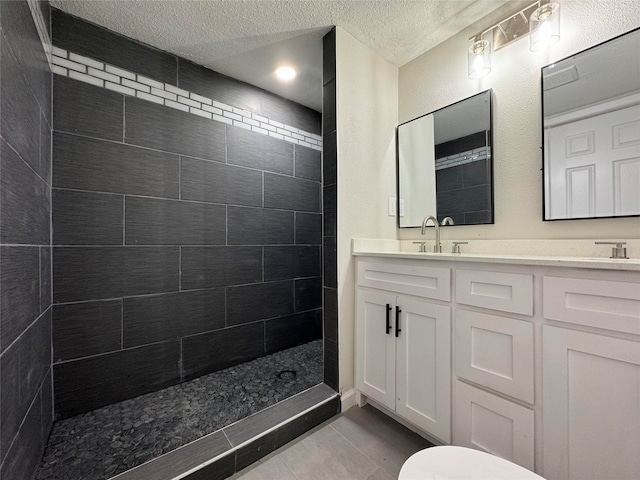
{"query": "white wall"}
pixel 367 111
pixel 439 77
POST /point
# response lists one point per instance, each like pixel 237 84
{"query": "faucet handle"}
pixel 423 247
pixel 455 247
pixel 618 251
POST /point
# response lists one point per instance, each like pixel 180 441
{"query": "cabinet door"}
pixel 591 406
pixel 376 347
pixel 423 387
pixel 492 424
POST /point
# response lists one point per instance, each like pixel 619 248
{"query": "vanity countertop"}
pixel 393 249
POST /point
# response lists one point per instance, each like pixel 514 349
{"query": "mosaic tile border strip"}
pixel 107 76
pixel 474 155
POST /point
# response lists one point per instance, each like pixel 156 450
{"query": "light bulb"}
pixel 285 73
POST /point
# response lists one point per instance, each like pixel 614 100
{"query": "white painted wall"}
pixel 439 77
pixel 367 114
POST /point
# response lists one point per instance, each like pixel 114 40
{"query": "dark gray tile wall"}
pixel 25 245
pixel 330 205
pixel 464 192
pixel 181 245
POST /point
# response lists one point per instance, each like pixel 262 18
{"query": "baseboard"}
pixel 348 400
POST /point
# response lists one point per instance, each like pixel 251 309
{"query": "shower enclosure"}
pixel 187 236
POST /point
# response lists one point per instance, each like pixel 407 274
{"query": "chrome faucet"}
pixel 437 248
pixel 447 221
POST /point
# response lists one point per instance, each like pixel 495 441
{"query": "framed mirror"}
pixel 591 126
pixel 445 164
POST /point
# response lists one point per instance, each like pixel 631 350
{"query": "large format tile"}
pixel 151 221
pixel 215 182
pixel 24 455
pixel 87 273
pixel 327 454
pixel 329 210
pixel 330 364
pixel 156 126
pixel 181 460
pixel 46 396
pixel 291 193
pixel 243 431
pixel 20 291
pixel 24 202
pixel 210 352
pixel 249 303
pixel 382 439
pixel 330 313
pixel 329 56
pixel 79 36
pixel 12 410
pixel 291 262
pixel 204 267
pixel 329 107
pixel 20 121
pixel 86 109
pixel 21 34
pixel 201 80
pixel 329 158
pixel 89 383
pixel 259 226
pixel 89 164
pixel 250 149
pixel 272 469
pixel 292 330
pixel 218 470
pixel 476 173
pixel 308 293
pixel 330 259
pixel 35 356
pixel 45 278
pixel 308 228
pixel 45 150
pixel 83 218
pixel 87 328
pixel 285 111
pixel 308 163
pixel 156 318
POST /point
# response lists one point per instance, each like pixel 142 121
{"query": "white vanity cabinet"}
pixel 591 380
pixel 403 343
pixel 540 363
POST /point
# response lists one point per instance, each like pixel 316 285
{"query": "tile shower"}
pixel 187 245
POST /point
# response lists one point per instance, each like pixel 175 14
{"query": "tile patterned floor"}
pixel 360 444
pixel 110 440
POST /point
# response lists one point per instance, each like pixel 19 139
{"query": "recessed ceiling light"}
pixel 285 73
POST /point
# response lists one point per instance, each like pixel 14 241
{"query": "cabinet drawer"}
pixel 418 280
pixel 596 303
pixel 495 352
pixel 507 292
pixel 492 424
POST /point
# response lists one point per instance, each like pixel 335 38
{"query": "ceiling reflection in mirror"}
pixel 591 123
pixel 445 164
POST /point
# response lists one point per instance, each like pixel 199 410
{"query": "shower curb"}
pixel 226 451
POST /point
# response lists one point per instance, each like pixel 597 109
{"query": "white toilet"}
pixel 460 463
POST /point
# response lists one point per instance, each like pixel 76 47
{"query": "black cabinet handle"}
pixel 398 321
pixel 388 318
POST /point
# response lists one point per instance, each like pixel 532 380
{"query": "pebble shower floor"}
pixel 104 442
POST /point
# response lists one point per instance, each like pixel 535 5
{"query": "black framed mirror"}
pixel 591 131
pixel 445 164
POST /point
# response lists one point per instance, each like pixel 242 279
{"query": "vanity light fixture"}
pixel 544 27
pixel 285 73
pixel 540 19
pixel 479 57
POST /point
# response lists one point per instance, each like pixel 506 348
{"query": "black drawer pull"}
pixel 388 318
pixel 398 321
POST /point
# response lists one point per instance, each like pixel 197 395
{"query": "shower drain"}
pixel 287 374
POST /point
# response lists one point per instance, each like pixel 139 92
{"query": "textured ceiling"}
pixel 246 39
